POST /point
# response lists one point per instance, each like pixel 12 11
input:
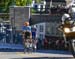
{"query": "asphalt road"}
pixel 37 55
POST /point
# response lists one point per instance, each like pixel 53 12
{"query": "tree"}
pixel 23 2
pixel 4 4
pixel 37 1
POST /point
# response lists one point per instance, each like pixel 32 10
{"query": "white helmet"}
pixel 65 17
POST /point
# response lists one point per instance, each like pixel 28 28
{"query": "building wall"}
pixel 52 29
pixel 18 15
pixel 37 18
pixel 55 3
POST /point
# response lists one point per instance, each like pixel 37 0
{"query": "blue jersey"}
pixel 26 28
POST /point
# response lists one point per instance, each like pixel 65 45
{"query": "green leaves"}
pixel 37 1
pixel 4 4
pixel 23 2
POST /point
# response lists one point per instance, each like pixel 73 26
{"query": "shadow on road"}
pixel 46 58
pixel 54 51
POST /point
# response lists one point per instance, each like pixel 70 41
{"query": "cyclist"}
pixel 26 35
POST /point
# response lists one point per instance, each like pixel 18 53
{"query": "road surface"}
pixel 36 55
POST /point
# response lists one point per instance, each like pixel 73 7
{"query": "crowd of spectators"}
pixel 54 44
pixel 58 44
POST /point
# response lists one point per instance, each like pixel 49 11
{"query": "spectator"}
pixel 45 43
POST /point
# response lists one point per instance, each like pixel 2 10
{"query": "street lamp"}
pixel 13 22
pixel 13 26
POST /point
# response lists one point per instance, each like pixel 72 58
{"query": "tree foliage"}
pixel 37 1
pixel 23 2
pixel 4 4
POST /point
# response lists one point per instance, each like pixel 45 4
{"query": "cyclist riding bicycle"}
pixel 26 35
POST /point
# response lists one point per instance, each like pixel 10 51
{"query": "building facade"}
pixel 47 29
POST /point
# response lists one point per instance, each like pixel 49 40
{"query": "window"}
pixel 41 36
pixel 48 31
pixel 41 28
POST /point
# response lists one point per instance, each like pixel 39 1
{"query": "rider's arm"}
pixel 31 35
pixel 60 28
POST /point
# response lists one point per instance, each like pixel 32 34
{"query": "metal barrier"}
pixel 7 35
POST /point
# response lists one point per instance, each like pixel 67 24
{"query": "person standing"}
pixel 34 33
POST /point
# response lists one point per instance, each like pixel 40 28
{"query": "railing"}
pixel 52 10
pixel 10 46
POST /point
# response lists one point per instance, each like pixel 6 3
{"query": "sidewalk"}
pixel 10 46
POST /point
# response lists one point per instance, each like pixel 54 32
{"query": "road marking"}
pixel 41 55
pixel 20 53
pixel 28 54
